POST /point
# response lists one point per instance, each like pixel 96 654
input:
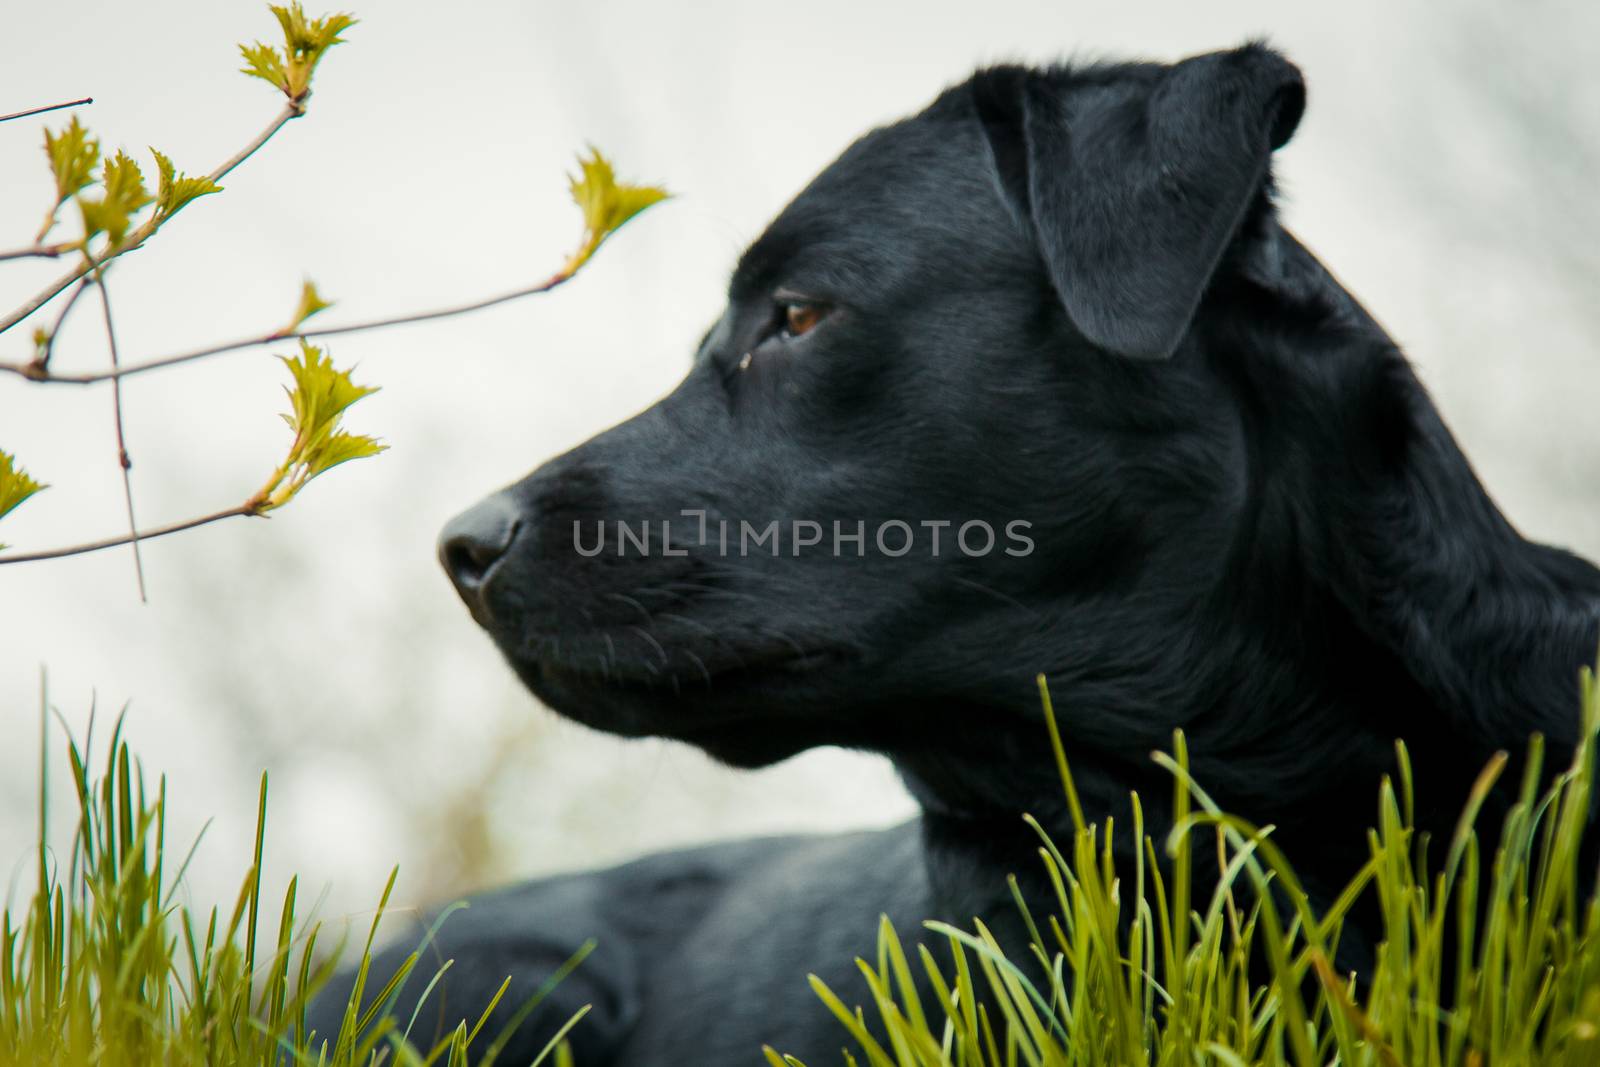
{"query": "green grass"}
pixel 1131 971
pixel 102 967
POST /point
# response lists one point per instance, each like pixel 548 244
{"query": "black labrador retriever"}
pixel 1031 382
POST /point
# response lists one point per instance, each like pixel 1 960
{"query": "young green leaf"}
pixel 262 61
pixel 606 203
pixel 124 195
pixel 311 302
pixel 73 155
pixel 308 37
pixel 305 41
pixel 317 399
pixel 175 189
pixel 15 485
pixel 339 448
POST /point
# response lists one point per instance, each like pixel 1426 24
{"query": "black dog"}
pixel 1052 320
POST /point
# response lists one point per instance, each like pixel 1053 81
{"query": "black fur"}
pixel 1060 296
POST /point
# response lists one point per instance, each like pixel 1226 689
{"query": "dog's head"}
pixel 949 431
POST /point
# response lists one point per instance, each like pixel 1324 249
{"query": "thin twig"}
pixel 122 442
pixel 48 107
pixel 292 110
pixel 129 538
pixel 39 251
pixel 39 374
pixel 41 358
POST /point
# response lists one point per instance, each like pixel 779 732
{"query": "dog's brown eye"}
pixel 800 318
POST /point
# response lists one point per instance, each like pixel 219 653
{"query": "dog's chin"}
pixel 744 720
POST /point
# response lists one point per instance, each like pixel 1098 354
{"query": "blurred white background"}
pixel 1445 171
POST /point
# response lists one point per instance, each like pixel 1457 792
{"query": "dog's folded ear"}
pixel 1134 188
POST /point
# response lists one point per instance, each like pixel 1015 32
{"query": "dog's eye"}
pixel 792 318
pixel 800 318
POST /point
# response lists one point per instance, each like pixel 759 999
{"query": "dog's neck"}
pixel 1370 590
pixel 1491 627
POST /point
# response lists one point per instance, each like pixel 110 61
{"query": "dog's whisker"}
pixel 642 632
pixel 1009 601
pixel 656 590
pixel 787 640
pixel 630 602
pixel 701 664
pixel 684 620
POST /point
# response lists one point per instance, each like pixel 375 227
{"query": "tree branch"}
pixel 41 357
pixel 47 107
pixel 39 251
pixel 128 538
pixel 292 110
pixel 123 459
pixel 35 372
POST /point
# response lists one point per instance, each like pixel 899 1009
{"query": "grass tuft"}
pixel 102 967
pixel 1487 958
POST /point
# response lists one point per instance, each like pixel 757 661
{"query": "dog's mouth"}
pixel 678 669
pixel 733 709
pixel 642 665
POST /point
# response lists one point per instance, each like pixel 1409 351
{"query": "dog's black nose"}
pixel 472 543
